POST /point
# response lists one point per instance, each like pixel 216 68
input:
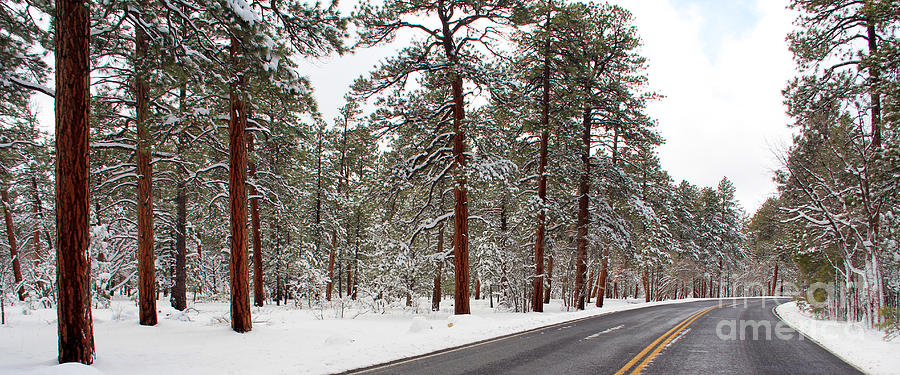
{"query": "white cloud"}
pixel 721 113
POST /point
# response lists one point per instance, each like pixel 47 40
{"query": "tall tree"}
pixel 536 49
pixel 448 47
pixel 258 295
pixel 237 194
pixel 76 337
pixel 11 237
pixel 600 58
pixel 146 261
pixel 179 288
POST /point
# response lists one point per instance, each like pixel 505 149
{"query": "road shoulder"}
pixel 862 348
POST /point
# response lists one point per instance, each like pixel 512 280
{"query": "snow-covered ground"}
pixel 284 340
pixel 861 347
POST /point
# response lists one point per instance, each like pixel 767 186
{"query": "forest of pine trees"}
pixel 504 152
pixel 838 203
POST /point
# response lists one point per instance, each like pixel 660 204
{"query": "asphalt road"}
pixel 704 337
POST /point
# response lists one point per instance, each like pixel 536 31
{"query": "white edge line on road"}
pixel 817 342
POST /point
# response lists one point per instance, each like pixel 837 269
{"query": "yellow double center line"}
pixel 660 343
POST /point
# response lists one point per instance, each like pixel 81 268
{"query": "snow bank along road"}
pixel 706 337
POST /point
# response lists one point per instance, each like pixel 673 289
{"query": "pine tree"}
pixel 11 237
pixel 146 262
pixel 600 58
pixel 840 95
pixel 76 338
pixel 445 50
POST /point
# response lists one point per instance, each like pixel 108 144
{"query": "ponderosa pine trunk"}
pixel 461 209
pixel 146 263
pixel 436 291
pixel 477 289
pixel 258 294
pixel 539 241
pixel 540 237
pixel 349 278
pixel 645 278
pixel 75 325
pixel 329 286
pixel 460 194
pixel 237 177
pixel 774 280
pixel 583 214
pixel 318 217
pixel 13 248
pixel 179 289
pixel 604 275
pixel 604 263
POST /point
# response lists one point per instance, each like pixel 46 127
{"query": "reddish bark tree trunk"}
pixel 258 294
pixel 13 249
pixel 604 274
pixel 179 289
pixel 477 289
pixel 774 280
pixel 76 333
pixel 604 263
pixel 146 264
pixel 583 219
pixel 437 293
pixel 329 286
pixel 645 278
pixel 615 289
pixel 237 176
pixel 461 209
pixel 538 300
pixel 349 279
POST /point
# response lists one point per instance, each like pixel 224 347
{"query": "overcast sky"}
pixel 721 65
